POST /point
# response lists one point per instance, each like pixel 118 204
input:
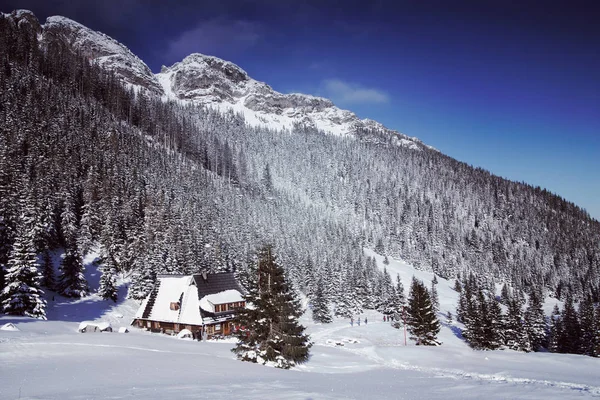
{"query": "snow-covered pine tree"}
pixel 535 321
pixel 47 271
pixel 68 220
pixel 400 291
pixel 270 332
pixel 22 294
pixel 596 352
pixel 505 294
pixel 570 338
pixel 108 287
pixel 385 292
pixel 493 324
pixel 457 285
pixel 422 323
pixel 435 300
pixel 72 282
pixel 320 306
pixel 267 179
pixel 555 331
pixel 587 323
pixel 515 334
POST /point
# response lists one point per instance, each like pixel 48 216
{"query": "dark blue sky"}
pixel 514 89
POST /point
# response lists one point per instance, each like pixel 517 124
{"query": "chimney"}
pixel 204 276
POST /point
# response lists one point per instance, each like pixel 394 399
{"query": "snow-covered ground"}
pixel 51 360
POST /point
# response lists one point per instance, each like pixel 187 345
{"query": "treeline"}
pixel 515 321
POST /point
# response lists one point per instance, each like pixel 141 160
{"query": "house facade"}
pixel 204 304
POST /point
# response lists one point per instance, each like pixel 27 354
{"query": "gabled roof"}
pixel 215 283
pixel 187 291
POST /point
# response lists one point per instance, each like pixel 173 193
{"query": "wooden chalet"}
pixel 202 303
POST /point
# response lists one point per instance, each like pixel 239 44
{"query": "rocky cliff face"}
pixel 101 49
pixel 223 85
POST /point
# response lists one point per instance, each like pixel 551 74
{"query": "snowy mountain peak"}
pixel 223 85
pixel 213 65
pixel 213 82
pixel 101 49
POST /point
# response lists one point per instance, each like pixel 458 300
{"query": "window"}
pixel 174 306
pixel 217 327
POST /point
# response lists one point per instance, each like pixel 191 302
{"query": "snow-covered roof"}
pixel 171 289
pixel 228 296
pixel 9 327
pixel 186 291
pixel 101 325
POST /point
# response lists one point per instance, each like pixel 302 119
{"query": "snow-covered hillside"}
pixel 51 360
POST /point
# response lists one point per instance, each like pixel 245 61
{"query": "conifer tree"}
pixel 457 285
pixel 47 271
pixel 505 294
pixel 587 324
pixel 555 331
pixel 494 323
pixel 422 323
pixel 515 335
pixel 142 281
pixel 267 179
pixel 434 294
pixel 22 294
pixel 570 338
pixel 535 321
pixel 320 306
pixel 596 352
pixel 108 288
pixel 270 332
pixel 72 282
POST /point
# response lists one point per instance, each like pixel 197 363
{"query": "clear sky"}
pixel 514 89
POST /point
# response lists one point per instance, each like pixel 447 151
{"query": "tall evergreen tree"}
pixel 596 352
pixel 555 331
pixel 22 294
pixel 72 281
pixel 535 321
pixel 47 271
pixel 270 332
pixel 422 323
pixel 435 300
pixel 108 287
pixel 569 340
pixel 320 306
pixel 587 326
pixel 515 334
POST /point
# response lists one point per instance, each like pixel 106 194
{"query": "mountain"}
pixel 60 33
pixel 212 82
pixel 195 167
pixel 222 85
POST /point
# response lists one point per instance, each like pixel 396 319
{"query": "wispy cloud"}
pixel 218 36
pixel 351 93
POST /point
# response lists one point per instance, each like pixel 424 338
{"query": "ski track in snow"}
pixel 370 354
pixel 341 353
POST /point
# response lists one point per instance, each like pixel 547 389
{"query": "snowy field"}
pixel 51 360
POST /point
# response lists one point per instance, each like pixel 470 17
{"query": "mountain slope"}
pixel 174 186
